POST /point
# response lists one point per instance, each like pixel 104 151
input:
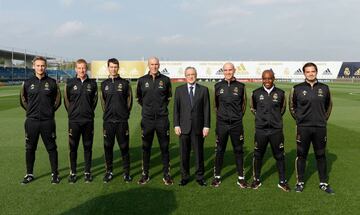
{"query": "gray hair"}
pixel 153 58
pixel 190 67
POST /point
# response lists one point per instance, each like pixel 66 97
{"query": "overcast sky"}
pixel 184 29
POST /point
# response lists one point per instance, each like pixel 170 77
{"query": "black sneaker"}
pixel 255 184
pixel 28 178
pixel 88 177
pixel 299 187
pixel 201 182
pixel 183 182
pixel 55 178
pixel 168 180
pixel 127 178
pixel 108 177
pixel 72 178
pixel 326 187
pixel 216 182
pixel 284 186
pixel 242 183
pixel 144 179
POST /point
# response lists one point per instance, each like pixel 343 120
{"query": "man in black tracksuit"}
pixel 40 97
pixel 80 98
pixel 116 101
pixel 230 104
pixel 268 105
pixel 310 105
pixel 153 93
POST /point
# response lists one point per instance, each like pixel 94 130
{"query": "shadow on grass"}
pixel 311 164
pixel 311 167
pixel 133 201
pixel 98 163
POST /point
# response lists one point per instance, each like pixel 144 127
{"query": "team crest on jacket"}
pixel 320 93
pixel 75 87
pixel 261 97
pixel 304 92
pixel 275 97
pixel 119 87
pixel 221 91
pixel 106 88
pixel 236 91
pixel 281 145
pixel 88 87
pixel 47 86
pixel 161 84
pixel 32 86
pixel 146 84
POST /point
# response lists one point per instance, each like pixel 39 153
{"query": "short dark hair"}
pixel 268 71
pixel 309 64
pixel 113 60
pixel 39 58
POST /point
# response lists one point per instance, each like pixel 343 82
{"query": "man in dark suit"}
pixel 192 123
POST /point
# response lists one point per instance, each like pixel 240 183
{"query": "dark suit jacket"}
pixel 196 117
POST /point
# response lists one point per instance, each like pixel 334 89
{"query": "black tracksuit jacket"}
pixel 310 106
pixel 154 95
pixel 230 100
pixel 268 108
pixel 116 99
pixel 80 99
pixel 40 98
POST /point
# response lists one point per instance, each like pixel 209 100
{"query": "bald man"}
pixel 153 93
pixel 268 105
pixel 230 103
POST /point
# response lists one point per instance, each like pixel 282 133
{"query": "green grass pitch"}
pixel 117 197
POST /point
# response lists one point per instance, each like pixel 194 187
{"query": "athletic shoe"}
pixel 183 182
pixel 255 184
pixel 88 177
pixel 242 183
pixel 326 187
pixel 144 179
pixel 168 180
pixel 127 178
pixel 55 178
pixel 299 187
pixel 28 178
pixel 108 177
pixel 72 178
pixel 216 182
pixel 284 186
pixel 201 182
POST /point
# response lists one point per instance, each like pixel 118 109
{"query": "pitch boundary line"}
pixel 354 93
